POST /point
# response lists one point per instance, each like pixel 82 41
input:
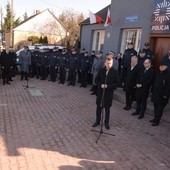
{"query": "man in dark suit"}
pixel 130 81
pixel 143 83
pixel 107 80
pixel 6 65
pixel 161 92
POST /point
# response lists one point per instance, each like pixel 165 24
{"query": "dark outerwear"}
pixel 44 59
pixel 149 54
pixel 141 61
pixel 63 62
pixel 85 63
pixel 127 57
pixel 53 59
pixel 161 87
pixel 130 80
pixel 6 60
pixel 74 61
pixel 166 60
pixel 112 82
pixel 146 80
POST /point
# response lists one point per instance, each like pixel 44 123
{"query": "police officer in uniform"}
pixel 53 64
pixel 44 62
pixel 148 52
pixel 84 68
pixel 73 66
pixel 141 58
pixel 63 65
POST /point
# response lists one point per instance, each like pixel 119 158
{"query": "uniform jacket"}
pixel 74 61
pixel 25 60
pixel 146 80
pixel 85 63
pixel 149 53
pixel 112 82
pixel 127 57
pixel 161 87
pixel 44 59
pixel 63 62
pixel 167 61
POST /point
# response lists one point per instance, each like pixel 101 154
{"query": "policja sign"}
pixel 160 22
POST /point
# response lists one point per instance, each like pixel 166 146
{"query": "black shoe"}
pixel 3 83
pixel 73 84
pixel 155 124
pixel 95 124
pixel 84 86
pixel 21 79
pixel 125 107
pixel 140 117
pixel 8 83
pixel 152 121
pixel 93 93
pixel 81 85
pixel 69 84
pixel 10 80
pixel 59 82
pixel 134 113
pixel 128 108
pixel 26 78
pixel 107 127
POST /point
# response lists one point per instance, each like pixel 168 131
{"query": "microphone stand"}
pixel 102 112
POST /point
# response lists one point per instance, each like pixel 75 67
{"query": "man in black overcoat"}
pixel 161 92
pixel 130 82
pixel 107 80
pixel 6 65
pixel 143 83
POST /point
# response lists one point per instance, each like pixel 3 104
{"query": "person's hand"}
pixel 103 86
pixel 2 67
pixel 139 85
pixel 165 97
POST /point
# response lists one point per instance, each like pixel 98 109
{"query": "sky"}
pixel 56 6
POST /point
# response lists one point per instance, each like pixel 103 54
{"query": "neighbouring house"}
pixel 138 21
pixel 41 24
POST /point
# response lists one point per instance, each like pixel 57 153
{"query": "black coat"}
pixel 112 82
pixel 130 80
pixel 161 87
pixel 6 60
pixel 146 80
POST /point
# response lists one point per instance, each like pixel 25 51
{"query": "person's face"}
pixel 7 48
pixel 130 46
pixel 142 55
pixel 109 62
pixel 147 64
pixel 134 62
pixel 146 47
pixel 163 67
pixel 98 55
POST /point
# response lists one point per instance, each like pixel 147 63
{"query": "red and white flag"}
pixel 108 19
pixel 94 18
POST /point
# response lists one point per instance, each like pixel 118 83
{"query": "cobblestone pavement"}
pixel 53 131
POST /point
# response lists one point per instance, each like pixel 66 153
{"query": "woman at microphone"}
pixel 107 80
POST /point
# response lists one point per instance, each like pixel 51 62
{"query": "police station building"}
pixel 136 21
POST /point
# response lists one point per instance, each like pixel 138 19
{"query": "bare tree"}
pixel 71 20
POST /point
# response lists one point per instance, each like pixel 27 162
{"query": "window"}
pixel 98 40
pixel 131 35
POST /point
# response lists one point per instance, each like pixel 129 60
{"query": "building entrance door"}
pixel 161 46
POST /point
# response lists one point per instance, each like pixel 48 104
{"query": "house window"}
pixel 98 40
pixel 131 35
